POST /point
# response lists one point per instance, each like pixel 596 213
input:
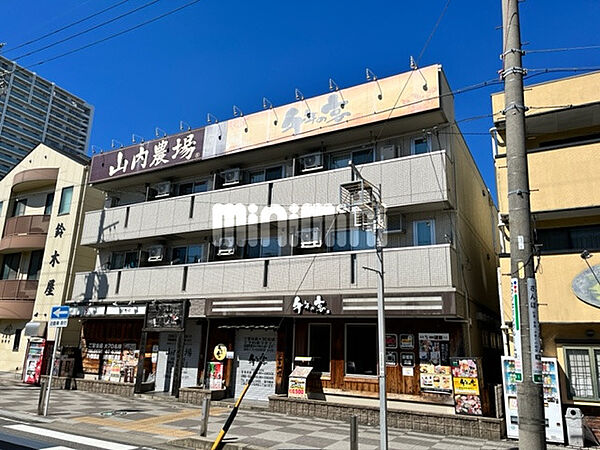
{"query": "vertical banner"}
pixel 514 292
pixel 534 332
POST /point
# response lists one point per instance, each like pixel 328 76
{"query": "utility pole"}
pixel 362 198
pixel 523 289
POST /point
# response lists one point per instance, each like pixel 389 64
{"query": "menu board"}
pixel 91 355
pixel 111 362
pixel 466 375
pixel 552 402
pixel 434 348
pixel 436 379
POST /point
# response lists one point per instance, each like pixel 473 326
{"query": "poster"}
pixel 250 345
pixel 467 381
pixel 437 379
pixel 215 376
pixel 434 348
pixel 552 403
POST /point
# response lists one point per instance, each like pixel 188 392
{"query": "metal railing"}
pixel 35 224
pixel 18 289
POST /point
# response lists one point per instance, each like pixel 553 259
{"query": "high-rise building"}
pixel 34 110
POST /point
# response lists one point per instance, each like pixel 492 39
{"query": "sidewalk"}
pixel 165 424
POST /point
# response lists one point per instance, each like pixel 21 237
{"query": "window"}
pixel 178 255
pixel 420 145
pixel 124 260
pixel 362 156
pixel 583 371
pixel 361 349
pixel 200 186
pixel 1 205
pixel 340 161
pixel 319 345
pixel 353 239
pixel 186 188
pixel 35 265
pixel 10 266
pixel 573 239
pixel 424 232
pixel 194 254
pixel 270 247
pixel 17 340
pixel 257 176
pixel 65 200
pixel 19 207
pixel 49 201
pixel 269 174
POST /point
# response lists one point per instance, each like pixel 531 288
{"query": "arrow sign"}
pixel 60 312
pixel 59 316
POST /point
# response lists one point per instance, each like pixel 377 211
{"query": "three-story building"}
pixel 220 244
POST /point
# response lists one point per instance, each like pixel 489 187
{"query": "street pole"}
pixel 524 293
pixel 383 439
pixel 49 387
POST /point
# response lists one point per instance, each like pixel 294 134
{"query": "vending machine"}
pixel 36 359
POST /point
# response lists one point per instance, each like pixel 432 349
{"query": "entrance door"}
pixel 167 348
pixel 191 354
pixel 249 346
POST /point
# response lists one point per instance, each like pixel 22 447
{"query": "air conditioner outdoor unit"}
pixel 156 253
pixel 388 152
pixel 226 246
pixel 313 161
pixel 163 189
pixel 230 177
pixel 310 237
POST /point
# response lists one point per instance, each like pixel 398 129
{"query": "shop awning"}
pixel 35 329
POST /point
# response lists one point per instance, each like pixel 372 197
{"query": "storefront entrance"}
pixel 249 346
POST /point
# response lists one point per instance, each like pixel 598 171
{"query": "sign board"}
pixel 297 384
pixel 59 316
pixel 407 359
pixel 407 341
pixel 249 346
pixel 220 352
pixel 514 292
pixel 215 376
pixel 534 332
pixel 467 382
pixel 552 401
pixel 436 379
pixel 434 348
pixel 391 358
pixel 391 341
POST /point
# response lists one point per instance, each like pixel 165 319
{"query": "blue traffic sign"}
pixel 59 312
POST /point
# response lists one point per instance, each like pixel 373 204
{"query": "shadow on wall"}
pixel 95 283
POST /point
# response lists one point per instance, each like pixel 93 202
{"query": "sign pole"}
pixel 56 344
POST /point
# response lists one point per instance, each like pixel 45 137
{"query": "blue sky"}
pixel 218 53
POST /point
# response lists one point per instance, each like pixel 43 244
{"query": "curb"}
pixel 205 443
pixel 24 417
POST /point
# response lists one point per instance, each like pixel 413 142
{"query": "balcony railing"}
pixel 20 225
pixel 410 269
pixel 18 289
pixel 407 181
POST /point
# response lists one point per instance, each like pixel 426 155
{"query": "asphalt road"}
pixel 19 435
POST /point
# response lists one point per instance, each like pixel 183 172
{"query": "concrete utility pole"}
pixel 523 289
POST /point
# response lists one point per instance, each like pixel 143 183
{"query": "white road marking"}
pixel 71 437
pixel 58 448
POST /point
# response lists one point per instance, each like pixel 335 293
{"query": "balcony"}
pixel 24 233
pixel 34 179
pixel 411 181
pixel 410 270
pixel 17 298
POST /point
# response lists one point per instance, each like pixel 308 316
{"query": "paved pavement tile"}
pixel 315 442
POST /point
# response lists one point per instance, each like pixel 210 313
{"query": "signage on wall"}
pixel 391 341
pixel 359 105
pixel 585 286
pixel 54 260
pixel 391 359
pixel 318 305
pixel 407 341
pixel 220 352
pixel 165 315
pixel 434 348
pixel 407 359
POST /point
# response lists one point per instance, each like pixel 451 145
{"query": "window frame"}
pixel 415 234
pixel 61 206
pixel 413 146
pixel 346 374
pixel 320 324
pixel 49 203
pixel 594 373
pixel 19 201
pixel 17 339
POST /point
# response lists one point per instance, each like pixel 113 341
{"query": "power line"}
pixel 563 49
pixel 565 69
pixel 58 30
pixel 95 27
pixel 147 22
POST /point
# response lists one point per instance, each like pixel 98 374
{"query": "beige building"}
pixel 42 205
pixel 563 142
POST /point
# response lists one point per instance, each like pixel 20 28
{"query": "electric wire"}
pixel 58 30
pixel 87 30
pixel 112 36
pixel 562 49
